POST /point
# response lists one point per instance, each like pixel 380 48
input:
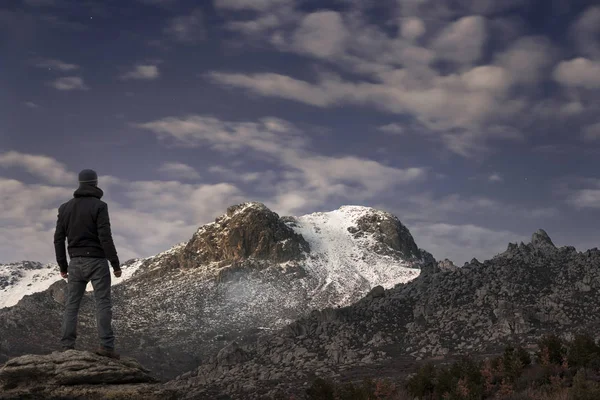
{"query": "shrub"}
pixel 422 384
pixel 552 350
pixel 583 352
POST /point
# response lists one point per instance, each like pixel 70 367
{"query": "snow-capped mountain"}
pixel 25 278
pixel 248 271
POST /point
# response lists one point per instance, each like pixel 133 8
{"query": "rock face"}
pixel 248 272
pixel 246 231
pixel 516 297
pixel 76 374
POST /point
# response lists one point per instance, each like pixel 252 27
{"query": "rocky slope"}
pixel 25 278
pixel 78 375
pixel 516 297
pixel 249 271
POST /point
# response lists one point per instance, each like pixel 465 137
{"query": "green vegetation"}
pixel 559 370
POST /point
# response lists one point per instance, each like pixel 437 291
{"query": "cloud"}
pixel 40 3
pixel 393 128
pixel 462 41
pixel 47 168
pixel 57 65
pixel 321 34
pixel 591 132
pixel 149 217
pixel 145 72
pixel 31 104
pixel 455 107
pixel 586 30
pixel 256 5
pixel 585 198
pixel 527 58
pixel 412 28
pixel 178 170
pixel 305 178
pixel 579 72
pixel 188 28
pixel 462 242
pixel 495 178
pixel 69 83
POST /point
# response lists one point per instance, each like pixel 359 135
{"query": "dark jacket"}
pixel 85 223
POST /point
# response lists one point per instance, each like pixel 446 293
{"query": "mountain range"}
pixel 248 272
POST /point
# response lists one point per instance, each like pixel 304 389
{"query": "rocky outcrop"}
pixel 77 375
pixel 246 231
pixel 516 297
pixel 248 272
pixel 391 236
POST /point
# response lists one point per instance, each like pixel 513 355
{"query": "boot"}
pixel 105 352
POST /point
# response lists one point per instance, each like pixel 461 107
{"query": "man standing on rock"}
pixel 85 223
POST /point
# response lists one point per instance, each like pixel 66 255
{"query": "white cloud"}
pixel 257 5
pixel 57 65
pixel 586 30
pixel 69 83
pixel 462 41
pixel 31 104
pixel 188 28
pixel 585 198
pixel 177 170
pixel 592 132
pixel 40 3
pixel 443 104
pixel 393 128
pixel 44 167
pixel 305 177
pixel 527 58
pixel 147 72
pixel 461 243
pixel 321 34
pixel 412 28
pixel 487 77
pixel 579 72
pixel 495 178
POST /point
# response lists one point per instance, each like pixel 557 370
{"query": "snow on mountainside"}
pixel 247 271
pixel 25 278
pixel 20 279
pixel 338 258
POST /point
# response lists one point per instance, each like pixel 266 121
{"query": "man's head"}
pixel 88 177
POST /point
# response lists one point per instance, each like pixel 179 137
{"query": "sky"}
pixel 475 122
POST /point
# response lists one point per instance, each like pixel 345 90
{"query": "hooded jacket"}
pixel 85 223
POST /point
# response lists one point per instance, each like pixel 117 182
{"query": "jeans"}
pixel 81 271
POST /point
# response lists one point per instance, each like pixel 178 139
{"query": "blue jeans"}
pixel 81 271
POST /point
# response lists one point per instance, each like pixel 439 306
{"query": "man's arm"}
pixel 59 245
pixel 105 235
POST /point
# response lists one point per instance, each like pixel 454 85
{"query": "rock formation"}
pixel 78 375
pixel 515 298
pixel 249 271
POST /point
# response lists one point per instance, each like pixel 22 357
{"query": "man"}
pixel 85 223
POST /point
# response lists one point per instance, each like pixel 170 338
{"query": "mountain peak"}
pixel 247 230
pixel 540 239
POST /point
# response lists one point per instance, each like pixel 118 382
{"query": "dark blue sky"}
pixel 476 122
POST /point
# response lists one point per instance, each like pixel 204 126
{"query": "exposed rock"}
pixel 248 230
pixel 390 234
pixel 248 272
pixel 516 297
pixel 76 374
pixel 446 265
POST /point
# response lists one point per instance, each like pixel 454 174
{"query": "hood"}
pixel 86 190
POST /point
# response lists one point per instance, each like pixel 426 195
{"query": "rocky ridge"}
pixel 248 272
pixel 77 375
pixel 516 297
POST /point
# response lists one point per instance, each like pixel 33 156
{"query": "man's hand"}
pixel 64 275
pixel 117 273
